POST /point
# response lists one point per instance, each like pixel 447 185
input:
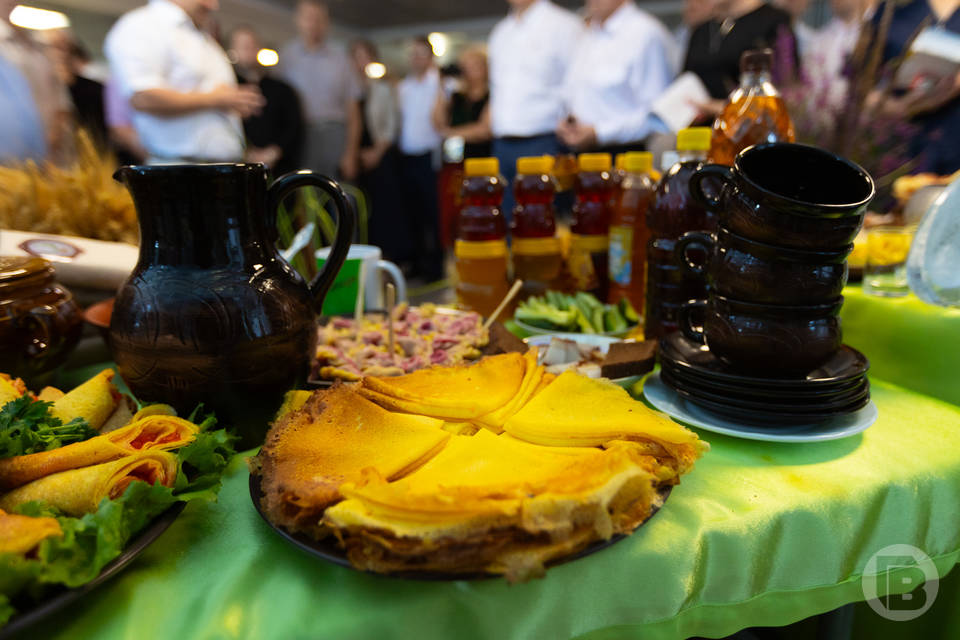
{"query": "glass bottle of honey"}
pixel 537 258
pixel 481 246
pixel 755 112
pixel 589 242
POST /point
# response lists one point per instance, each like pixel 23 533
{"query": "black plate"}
pixel 328 550
pixel 761 393
pixel 845 366
pixel 774 418
pixel 57 601
pixel 765 398
pixel 766 404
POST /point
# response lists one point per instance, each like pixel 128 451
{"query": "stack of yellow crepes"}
pixel 76 477
pixel 536 467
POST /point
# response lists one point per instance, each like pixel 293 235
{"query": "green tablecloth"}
pixel 909 342
pixel 757 534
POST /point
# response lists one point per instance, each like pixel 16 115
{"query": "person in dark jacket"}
pixel 274 136
pixel 716 45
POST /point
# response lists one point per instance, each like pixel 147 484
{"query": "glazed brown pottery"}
pixel 40 322
pixel 762 339
pixel 791 195
pixel 757 272
pixel 211 313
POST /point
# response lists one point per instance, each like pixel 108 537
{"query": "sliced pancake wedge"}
pixel 335 437
pixel 531 381
pixel 575 410
pixel 461 392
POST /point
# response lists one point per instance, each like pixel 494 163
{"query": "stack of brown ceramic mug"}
pixel 777 265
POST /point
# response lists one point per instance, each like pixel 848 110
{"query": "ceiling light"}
pixel 268 57
pixel 375 70
pixel 39 19
pixel 438 41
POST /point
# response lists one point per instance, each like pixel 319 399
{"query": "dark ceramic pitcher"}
pixel 212 313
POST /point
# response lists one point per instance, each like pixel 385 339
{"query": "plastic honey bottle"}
pixel 755 112
pixel 589 241
pixel 481 246
pixel 628 230
pixel 537 257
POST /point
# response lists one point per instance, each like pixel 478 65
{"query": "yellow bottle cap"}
pixel 534 165
pixel 694 139
pixel 481 167
pixel 638 161
pixel 594 162
pixel 619 162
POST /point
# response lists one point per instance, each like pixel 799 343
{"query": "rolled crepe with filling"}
pixel 80 491
pixel 94 401
pixel 20 534
pixel 10 390
pixel 158 432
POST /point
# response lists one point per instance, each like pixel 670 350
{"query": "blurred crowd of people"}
pixel 547 80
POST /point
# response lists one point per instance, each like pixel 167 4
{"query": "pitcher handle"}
pixel 719 172
pixel 346 221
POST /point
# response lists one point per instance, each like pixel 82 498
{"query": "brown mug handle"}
pixel 346 221
pixel 719 172
pixel 701 239
pixel 685 320
pixel 39 321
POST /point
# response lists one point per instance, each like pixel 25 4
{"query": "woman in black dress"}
pixel 464 112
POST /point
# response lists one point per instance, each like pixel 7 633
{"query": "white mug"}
pixel 374 266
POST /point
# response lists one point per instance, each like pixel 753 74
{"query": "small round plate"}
pixel 63 598
pixel 846 365
pixel 328 549
pixel 592 340
pixel 667 400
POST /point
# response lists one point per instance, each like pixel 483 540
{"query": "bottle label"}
pixel 478 250
pixel 621 254
pixel 588 244
pixel 536 246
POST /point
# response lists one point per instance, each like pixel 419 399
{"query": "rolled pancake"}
pixel 20 534
pixel 577 411
pixel 461 392
pixel 337 436
pixel 10 389
pixel 94 401
pixel 157 432
pixel 80 491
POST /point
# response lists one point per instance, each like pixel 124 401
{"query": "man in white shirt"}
pixel 529 51
pixel 188 107
pixel 329 93
pixel 419 141
pixel 622 63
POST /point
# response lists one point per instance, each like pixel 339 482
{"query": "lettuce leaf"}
pixel 26 426
pixel 90 542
